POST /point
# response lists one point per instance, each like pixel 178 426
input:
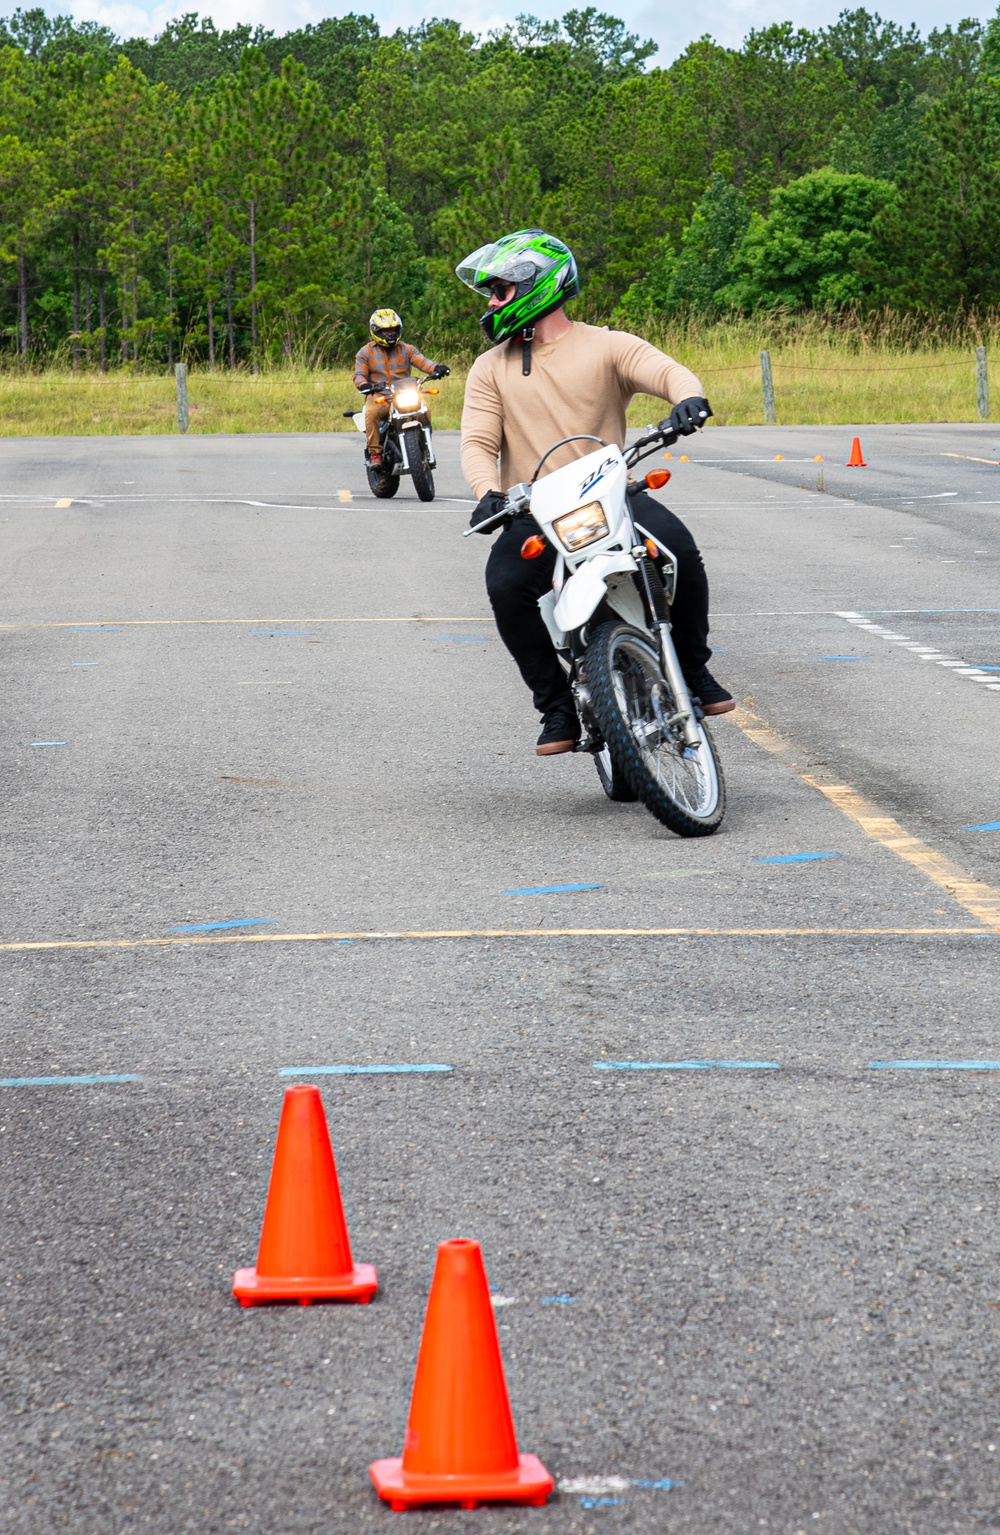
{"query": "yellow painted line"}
pixel 972 458
pixel 344 495
pixel 154 623
pixel 982 901
pixel 66 501
pixel 502 932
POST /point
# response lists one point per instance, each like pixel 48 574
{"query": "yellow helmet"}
pixel 386 327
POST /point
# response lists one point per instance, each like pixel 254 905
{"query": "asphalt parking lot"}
pixel 272 805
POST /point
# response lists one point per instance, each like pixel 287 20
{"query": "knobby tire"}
pixel 608 643
pixel 420 470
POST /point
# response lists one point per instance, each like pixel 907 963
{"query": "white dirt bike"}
pixel 608 617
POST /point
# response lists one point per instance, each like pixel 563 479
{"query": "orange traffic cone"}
pixel 856 461
pixel 305 1251
pixel 460 1443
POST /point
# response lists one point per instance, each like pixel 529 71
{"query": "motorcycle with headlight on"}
pixel 407 443
pixel 608 616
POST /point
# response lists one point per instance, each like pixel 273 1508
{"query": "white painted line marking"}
pixel 921 652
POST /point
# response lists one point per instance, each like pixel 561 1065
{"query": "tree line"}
pixel 238 197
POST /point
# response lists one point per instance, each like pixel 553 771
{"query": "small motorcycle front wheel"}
pixel 383 485
pixel 613 781
pixel 420 469
pixel 681 786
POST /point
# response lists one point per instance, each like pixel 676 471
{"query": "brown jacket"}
pixel 379 365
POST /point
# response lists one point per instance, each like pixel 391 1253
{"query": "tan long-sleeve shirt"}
pixel 582 382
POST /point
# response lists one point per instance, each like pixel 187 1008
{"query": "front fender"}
pixel 586 587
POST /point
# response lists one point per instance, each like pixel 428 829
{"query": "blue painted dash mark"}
pixel 600 1502
pixel 558 1300
pixel 663 1484
pixel 986 668
pixel 842 658
pixel 460 639
pixel 986 826
pixel 549 889
pixel 356 1071
pixel 687 1066
pixel 48 743
pixel 85 663
pixel 90 1081
pixel 797 858
pixel 213 927
pixel 934 1065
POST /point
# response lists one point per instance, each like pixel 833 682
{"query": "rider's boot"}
pixel 560 731
pixel 710 694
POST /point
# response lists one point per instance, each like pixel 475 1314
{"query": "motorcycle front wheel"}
pixel 681 786
pixel 420 469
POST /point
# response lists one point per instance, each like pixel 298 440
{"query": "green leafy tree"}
pixel 936 248
pixel 264 196
pixel 788 92
pixel 691 279
pixel 811 250
pixel 877 55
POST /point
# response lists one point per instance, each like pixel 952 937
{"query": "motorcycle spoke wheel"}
pixel 681 786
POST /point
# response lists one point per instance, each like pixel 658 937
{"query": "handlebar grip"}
pixel 488 522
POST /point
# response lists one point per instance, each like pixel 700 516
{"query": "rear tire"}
pixel 613 781
pixel 383 485
pixel 420 469
pixel 683 788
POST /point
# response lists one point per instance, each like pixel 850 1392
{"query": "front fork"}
pixel 654 596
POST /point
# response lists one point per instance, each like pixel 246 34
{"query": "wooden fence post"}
pixel 767 384
pixel 182 396
pixel 982 385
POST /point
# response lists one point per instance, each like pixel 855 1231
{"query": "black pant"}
pixel 514 586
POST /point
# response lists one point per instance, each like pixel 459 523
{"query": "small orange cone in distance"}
pixel 856 461
pixel 460 1442
pixel 305 1251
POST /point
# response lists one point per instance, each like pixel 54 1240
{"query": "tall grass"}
pixel 832 369
pixel 827 370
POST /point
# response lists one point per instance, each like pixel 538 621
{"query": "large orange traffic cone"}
pixel 856 461
pixel 305 1252
pixel 460 1443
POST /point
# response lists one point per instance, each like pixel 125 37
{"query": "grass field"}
pixel 824 374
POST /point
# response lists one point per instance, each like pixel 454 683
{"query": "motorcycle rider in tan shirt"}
pixel 547 378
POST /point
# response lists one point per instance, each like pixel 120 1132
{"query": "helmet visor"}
pixel 494 263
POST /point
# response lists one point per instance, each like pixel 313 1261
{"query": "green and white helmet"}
pixel 541 268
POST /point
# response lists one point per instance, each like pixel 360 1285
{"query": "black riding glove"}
pixel 491 503
pixel 440 371
pixel 366 388
pixel 689 415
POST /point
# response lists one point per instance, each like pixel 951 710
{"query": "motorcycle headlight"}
pixel 584 526
pixel 408 399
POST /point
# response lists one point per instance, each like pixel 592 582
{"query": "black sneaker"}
pixel 710 694
pixel 560 731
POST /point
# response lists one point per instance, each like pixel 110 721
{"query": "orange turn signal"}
pixel 657 478
pixel 532 547
pixel 432 391
pixel 653 551
pixel 380 399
